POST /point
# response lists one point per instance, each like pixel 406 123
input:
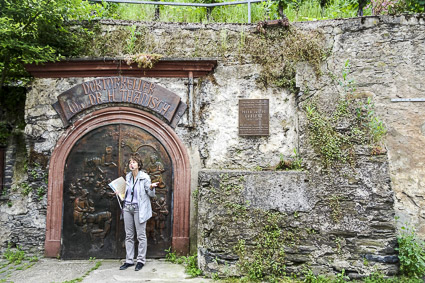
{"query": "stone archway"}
pixel 124 115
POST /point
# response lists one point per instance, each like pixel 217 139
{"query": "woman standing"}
pixel 137 211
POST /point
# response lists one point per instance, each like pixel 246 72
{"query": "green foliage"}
pixel 195 196
pixel 415 6
pixel 236 209
pixel 191 266
pixel 348 84
pixel 294 163
pixel 190 262
pixel 341 277
pixel 324 137
pixel 172 257
pixel 309 277
pixel 12 104
pixel 377 277
pixel 266 260
pixel 37 31
pixel 367 118
pixel 279 50
pixel 294 10
pixel 26 188
pixel 14 255
pixel 131 40
pixel 353 121
pixel 34 172
pixel 41 191
pixel 411 253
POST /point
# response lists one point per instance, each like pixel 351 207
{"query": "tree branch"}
pixel 35 17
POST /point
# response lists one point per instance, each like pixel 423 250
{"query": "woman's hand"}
pixel 154 185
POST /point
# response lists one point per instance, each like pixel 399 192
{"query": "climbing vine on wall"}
pixel 267 259
pixel 279 49
pixel 334 133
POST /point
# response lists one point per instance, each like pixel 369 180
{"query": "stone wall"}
pixel 386 55
pixel 387 62
pixel 339 220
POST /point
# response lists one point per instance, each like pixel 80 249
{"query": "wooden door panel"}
pixel 91 218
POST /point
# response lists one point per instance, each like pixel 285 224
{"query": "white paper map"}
pixel 118 185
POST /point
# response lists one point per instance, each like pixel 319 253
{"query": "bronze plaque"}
pixel 91 223
pixel 253 117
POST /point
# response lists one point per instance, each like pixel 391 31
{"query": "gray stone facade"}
pixel 329 221
pixel 387 61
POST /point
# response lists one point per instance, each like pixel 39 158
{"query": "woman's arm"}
pixel 150 187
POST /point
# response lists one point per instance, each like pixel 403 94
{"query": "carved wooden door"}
pixel 91 215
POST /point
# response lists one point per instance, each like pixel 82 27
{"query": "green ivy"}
pixel 362 126
pixel 266 260
pixel 324 137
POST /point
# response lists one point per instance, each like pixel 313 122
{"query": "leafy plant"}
pixel 309 277
pixel 294 163
pixel 366 116
pixel 26 188
pixel 131 40
pixel 341 277
pixel 324 137
pixel 172 257
pixel 191 266
pixel 266 260
pixel 36 31
pixel 411 253
pixel 190 262
pixel 40 193
pixel 353 121
pixel 348 84
pixel 14 255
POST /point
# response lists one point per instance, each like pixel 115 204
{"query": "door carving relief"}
pixel 91 216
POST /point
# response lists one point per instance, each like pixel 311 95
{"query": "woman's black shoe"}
pixel 139 266
pixel 126 265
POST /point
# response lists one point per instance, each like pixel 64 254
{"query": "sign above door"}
pixel 113 90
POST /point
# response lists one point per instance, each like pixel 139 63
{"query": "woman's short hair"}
pixel 136 157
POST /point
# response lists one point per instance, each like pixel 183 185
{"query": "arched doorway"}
pixel 70 172
pixel 91 213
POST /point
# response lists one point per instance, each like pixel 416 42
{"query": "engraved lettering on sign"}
pixel 115 90
pixel 253 117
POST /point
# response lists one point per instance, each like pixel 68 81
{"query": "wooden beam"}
pixel 118 67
